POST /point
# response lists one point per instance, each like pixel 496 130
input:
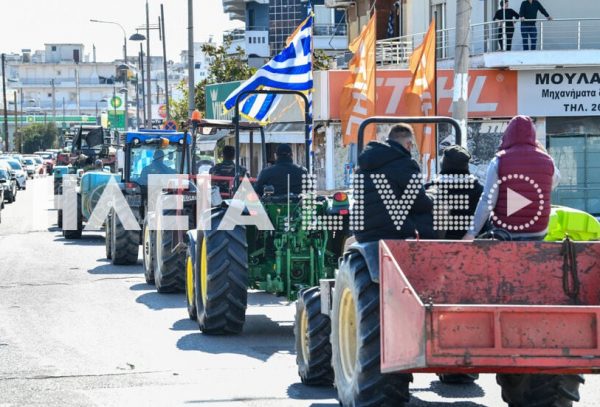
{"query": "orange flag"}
pixel 357 101
pixel 419 96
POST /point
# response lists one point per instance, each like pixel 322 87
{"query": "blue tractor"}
pixel 146 152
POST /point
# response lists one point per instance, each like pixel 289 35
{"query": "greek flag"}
pixel 291 69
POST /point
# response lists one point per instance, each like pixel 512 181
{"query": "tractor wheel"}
pixel 168 265
pixel 107 238
pixel 313 349
pixel 223 279
pixel 59 218
pixel 148 239
pixel 458 378
pixel 539 390
pixel 124 243
pixel 191 288
pixel 76 233
pixel 355 334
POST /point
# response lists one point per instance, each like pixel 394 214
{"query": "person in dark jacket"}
pixel 156 167
pixel 278 174
pixel 528 13
pixel 455 171
pixel 226 168
pixel 392 161
pixel 506 17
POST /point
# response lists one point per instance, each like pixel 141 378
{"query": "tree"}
pixel 36 137
pixel 223 67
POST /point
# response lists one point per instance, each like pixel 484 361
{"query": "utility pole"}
pixel 53 101
pixel 460 106
pixel 16 122
pixel 4 100
pixel 164 44
pixel 143 84
pixel 191 87
pixel 149 87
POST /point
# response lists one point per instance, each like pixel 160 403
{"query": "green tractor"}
pixel 224 262
pixel 122 244
pixel 164 250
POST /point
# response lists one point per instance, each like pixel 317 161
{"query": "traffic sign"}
pixel 170 125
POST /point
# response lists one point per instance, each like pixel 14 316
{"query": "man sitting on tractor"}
pixel 392 159
pixel 157 166
pixel 226 168
pixel 522 171
pixel 278 174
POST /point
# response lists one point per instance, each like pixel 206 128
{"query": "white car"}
pixel 20 172
pixel 29 165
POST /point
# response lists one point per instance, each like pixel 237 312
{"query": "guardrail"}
pixel 557 34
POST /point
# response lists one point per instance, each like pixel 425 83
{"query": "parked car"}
pixel 30 166
pixel 20 172
pixel 40 168
pixel 9 186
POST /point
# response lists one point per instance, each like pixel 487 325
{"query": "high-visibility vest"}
pixel 577 224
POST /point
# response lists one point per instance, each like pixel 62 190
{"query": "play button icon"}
pixel 515 202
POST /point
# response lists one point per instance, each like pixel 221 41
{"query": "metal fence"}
pixel 557 34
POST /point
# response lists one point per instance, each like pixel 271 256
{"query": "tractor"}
pixel 122 245
pixel 90 143
pixel 164 250
pixel 526 311
pixel 223 263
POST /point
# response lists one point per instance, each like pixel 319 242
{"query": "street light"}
pixel 148 91
pixel 124 52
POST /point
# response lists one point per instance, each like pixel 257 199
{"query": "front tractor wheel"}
pixel 539 390
pixel 311 331
pixel 124 244
pixel 148 239
pixel 355 334
pixel 222 281
pixel 191 288
pixel 169 264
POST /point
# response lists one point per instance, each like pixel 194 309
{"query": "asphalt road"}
pixel 76 331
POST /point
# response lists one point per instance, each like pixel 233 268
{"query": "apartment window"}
pixel 54 48
pixel 251 18
pixel 438 10
pixel 58 73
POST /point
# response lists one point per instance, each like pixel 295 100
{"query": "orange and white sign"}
pixel 357 97
pixel 492 93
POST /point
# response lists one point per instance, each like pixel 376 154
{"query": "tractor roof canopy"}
pixel 149 136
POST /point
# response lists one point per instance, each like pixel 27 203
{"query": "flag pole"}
pixel 435 90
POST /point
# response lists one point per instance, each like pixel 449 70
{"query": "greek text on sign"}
pixel 573 92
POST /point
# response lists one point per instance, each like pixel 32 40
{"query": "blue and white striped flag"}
pixel 291 69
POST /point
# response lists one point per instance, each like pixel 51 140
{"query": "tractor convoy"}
pixel 368 315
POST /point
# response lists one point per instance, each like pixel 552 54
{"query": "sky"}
pixel 31 23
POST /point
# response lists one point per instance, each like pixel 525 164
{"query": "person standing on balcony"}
pixel 506 17
pixel 528 13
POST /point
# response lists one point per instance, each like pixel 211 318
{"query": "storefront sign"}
pixel 215 96
pixel 560 92
pixel 492 93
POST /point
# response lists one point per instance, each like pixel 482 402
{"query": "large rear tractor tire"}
pixel 355 335
pixel 148 241
pixel 107 238
pixel 222 279
pixel 169 265
pixel 124 243
pixel 311 331
pixel 539 390
pixel 458 378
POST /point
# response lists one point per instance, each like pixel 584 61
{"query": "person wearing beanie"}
pixel 455 174
pixel 518 185
pixel 226 168
pixel 278 174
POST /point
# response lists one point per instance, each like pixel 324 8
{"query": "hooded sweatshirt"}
pixel 520 171
pixel 392 166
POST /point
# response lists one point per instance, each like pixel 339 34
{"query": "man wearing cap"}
pixel 459 182
pixel 157 166
pixel 279 174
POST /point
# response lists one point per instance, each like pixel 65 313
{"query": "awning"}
pixel 291 133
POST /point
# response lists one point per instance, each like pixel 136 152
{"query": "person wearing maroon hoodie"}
pixel 521 170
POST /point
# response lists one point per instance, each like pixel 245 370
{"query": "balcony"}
pixel 330 36
pixel 560 42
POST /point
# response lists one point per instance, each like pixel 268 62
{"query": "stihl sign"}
pixel 492 93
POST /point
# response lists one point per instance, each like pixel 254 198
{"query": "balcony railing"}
pixel 330 29
pixel 557 34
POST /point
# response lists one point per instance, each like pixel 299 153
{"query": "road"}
pixel 77 331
